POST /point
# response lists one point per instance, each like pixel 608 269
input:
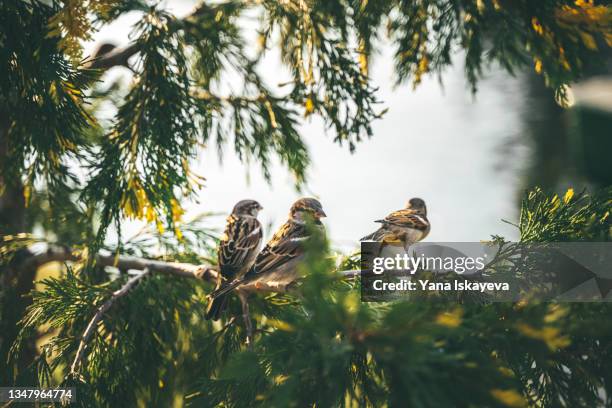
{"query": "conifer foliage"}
pixel 70 174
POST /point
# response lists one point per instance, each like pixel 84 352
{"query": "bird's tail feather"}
pixel 226 289
pixel 216 306
pixel 217 300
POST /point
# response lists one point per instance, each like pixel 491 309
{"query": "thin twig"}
pixel 227 325
pixel 8 404
pixel 221 331
pixel 93 323
pixel 351 273
pixel 246 315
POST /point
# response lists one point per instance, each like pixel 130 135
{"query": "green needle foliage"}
pixel 322 346
pixel 139 160
pixel 41 100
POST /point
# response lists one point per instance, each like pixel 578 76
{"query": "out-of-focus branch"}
pixel 351 273
pixel 246 315
pixel 114 58
pixel 205 95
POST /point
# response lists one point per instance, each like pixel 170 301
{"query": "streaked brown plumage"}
pixel 406 226
pixel 237 250
pixel 278 260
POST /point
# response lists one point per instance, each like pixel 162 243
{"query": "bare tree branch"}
pixel 125 262
pixel 93 323
pixel 56 253
pixel 351 273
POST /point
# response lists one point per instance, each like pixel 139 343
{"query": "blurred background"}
pixel 469 156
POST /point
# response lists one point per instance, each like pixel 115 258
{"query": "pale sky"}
pixel 436 143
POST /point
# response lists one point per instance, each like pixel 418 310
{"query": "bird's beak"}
pixel 321 214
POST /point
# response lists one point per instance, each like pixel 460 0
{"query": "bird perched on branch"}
pixel 237 250
pixel 405 226
pixel 277 263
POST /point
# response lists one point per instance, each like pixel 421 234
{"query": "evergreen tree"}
pixel 126 340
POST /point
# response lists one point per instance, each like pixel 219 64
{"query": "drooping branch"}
pixel 93 323
pixel 114 58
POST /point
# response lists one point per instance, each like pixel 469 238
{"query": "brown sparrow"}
pixel 406 226
pixel 277 262
pixel 237 250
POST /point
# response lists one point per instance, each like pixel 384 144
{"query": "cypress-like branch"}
pixel 92 326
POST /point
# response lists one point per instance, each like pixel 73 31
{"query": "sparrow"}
pixel 278 261
pixel 407 226
pixel 237 250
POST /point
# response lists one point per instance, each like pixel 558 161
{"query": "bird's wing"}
pixel 242 236
pixel 406 218
pixel 284 246
pixel 375 236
